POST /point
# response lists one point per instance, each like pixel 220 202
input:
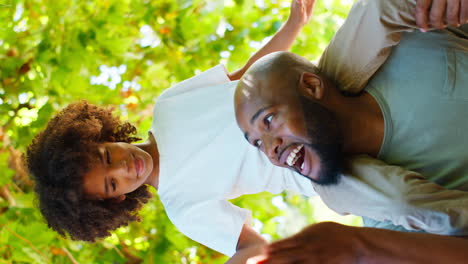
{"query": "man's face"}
pixel 117 169
pixel 293 131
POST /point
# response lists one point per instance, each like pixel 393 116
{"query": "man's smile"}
pixel 293 157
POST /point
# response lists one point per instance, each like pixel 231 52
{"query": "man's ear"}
pixel 120 198
pixel 311 86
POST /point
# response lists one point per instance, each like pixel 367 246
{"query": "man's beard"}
pixel 325 139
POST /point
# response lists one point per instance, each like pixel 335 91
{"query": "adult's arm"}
pixel 335 243
pixel 372 28
pixel 364 42
pixel 301 11
pixel 394 195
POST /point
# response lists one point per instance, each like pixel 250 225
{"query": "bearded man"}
pixel 411 114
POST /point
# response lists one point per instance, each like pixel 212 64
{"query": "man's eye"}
pixel 267 120
pixel 113 185
pixel 108 158
pixel 257 143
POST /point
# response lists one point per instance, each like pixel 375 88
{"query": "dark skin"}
pixel 329 242
pixel 120 168
pixel 278 124
pixel 335 244
pixel 382 246
pixel 441 13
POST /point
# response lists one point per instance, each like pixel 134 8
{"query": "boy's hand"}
pixel 301 11
pixel 441 13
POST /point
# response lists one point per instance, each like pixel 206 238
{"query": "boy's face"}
pixel 118 168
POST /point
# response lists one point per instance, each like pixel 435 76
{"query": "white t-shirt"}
pixel 205 161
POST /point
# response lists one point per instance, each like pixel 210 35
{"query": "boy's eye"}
pixel 113 185
pixel 257 143
pixel 108 158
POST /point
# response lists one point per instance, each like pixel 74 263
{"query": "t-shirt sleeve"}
pixel 392 196
pixel 368 222
pixel 211 77
pixel 364 41
pixel 216 224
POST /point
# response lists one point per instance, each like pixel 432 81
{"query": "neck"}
pixel 362 123
pixel 151 147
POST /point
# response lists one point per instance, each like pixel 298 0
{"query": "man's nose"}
pixel 272 145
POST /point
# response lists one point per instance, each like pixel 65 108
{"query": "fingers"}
pixel 284 244
pixel 260 259
pixel 422 11
pixel 310 4
pixel 464 12
pixel 436 16
pixel 293 255
pixel 440 13
pixel 307 7
pixel 453 13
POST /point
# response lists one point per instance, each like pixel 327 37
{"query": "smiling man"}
pixel 412 114
pixel 297 117
pixel 273 121
pixel 301 121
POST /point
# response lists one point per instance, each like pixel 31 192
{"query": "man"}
pixel 273 97
pixel 205 214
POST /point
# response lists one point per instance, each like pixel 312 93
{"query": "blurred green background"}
pixel 125 53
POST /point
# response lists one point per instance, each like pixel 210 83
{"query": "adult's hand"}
pixel 441 13
pixel 301 12
pixel 320 243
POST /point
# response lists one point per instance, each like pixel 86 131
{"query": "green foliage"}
pixel 52 52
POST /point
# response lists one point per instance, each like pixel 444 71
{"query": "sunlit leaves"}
pixel 49 51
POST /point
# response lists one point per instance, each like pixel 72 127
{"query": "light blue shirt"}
pixel 423 92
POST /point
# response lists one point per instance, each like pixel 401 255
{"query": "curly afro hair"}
pixel 60 155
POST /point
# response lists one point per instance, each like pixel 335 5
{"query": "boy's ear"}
pixel 311 86
pixel 120 198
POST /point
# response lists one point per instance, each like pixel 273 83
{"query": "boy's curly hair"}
pixel 60 155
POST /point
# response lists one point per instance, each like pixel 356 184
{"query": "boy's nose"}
pixel 121 168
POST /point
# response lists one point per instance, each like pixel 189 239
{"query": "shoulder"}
pixel 213 76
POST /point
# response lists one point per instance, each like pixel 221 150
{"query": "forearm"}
pixel 281 41
pixel 409 199
pixel 386 246
pixel 244 254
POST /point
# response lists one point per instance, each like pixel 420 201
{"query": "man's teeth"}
pixel 293 157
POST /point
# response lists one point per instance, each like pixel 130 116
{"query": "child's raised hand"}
pixel 301 11
pixel 441 13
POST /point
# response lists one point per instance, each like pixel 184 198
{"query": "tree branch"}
pixel 69 255
pixel 5 193
pixel 26 241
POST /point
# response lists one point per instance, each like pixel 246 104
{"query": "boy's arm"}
pixel 372 28
pixel 250 244
pixel 301 11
